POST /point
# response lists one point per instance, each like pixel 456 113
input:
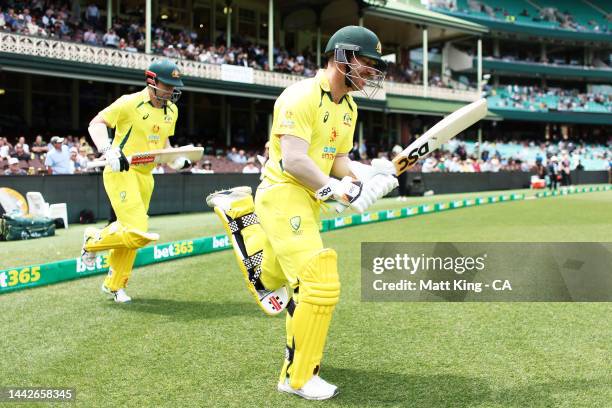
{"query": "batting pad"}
pixel 117 236
pixel 247 238
pixel 319 292
pixel 121 261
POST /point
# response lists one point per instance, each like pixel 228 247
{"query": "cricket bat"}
pixel 435 137
pixel 157 156
pixel 441 133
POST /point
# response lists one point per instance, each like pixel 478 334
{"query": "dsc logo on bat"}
pixel 413 156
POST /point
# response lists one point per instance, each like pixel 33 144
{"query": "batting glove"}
pixel 382 184
pixel 348 192
pixel 180 163
pixel 365 172
pixel 116 159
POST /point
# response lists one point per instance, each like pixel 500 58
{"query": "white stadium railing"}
pixel 76 52
pixel 397 88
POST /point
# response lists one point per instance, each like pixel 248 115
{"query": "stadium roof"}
pixel 415 13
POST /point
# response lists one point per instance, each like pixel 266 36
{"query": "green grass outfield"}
pixel 194 337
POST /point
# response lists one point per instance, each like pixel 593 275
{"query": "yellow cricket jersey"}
pixel 306 110
pixel 139 126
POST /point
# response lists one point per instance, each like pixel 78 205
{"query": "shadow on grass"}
pixel 189 310
pixel 364 388
pixel 379 388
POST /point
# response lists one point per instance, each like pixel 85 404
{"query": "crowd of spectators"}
pixel 559 18
pixel 527 156
pixel 56 20
pixel 61 155
pixel 534 98
pixel 70 155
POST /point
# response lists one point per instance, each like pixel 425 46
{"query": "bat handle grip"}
pixel 340 208
pixel 96 163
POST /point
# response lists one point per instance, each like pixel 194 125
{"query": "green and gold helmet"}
pixel 166 72
pixel 357 41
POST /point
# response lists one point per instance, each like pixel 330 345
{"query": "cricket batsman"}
pixel 142 121
pixel 276 237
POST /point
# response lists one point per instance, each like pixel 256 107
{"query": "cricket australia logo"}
pixel 295 223
pixel 347 119
pixel 122 196
pixel 288 121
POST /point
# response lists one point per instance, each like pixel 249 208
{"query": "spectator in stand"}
pixel 250 167
pixel 10 17
pixel 58 158
pixel 263 158
pixel 39 147
pixel 32 28
pixel 92 14
pixel 20 153
pixel 540 169
pixel 203 168
pixel 429 165
pixel 242 158
pixel 565 170
pixel 159 169
pixel 82 159
pixel 553 172
pixel 90 37
pixel 75 163
pixel 91 156
pixel 232 155
pixel 22 141
pixel 111 39
pixel 5 148
pixel 14 169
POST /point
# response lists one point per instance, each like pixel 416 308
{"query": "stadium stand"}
pixel 535 99
pixel 407 107
pixel 564 14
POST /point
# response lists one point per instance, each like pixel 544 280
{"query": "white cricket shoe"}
pixel 119 296
pixel 315 389
pixel 88 257
pixel 224 198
